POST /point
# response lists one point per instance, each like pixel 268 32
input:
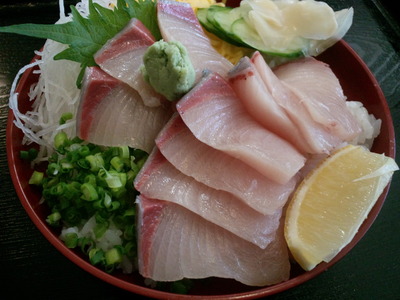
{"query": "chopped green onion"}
pixel 96 162
pixel 131 212
pixel 114 205
pixel 54 218
pixel 65 167
pixel 89 192
pixel 118 193
pixel 72 190
pixel 71 240
pixel 107 200
pixel 130 249
pixel 83 180
pixel 111 177
pixel 30 154
pixel 51 182
pixel 86 244
pixel 122 178
pixel 101 216
pixel 100 229
pixel 76 140
pixel 84 151
pixel 129 232
pixel 83 163
pixel 72 216
pixel 123 151
pixel 53 169
pixel 117 163
pixel 113 256
pixel 72 156
pixel 58 189
pixel 65 117
pixel 36 178
pixel 90 178
pixel 60 140
pixel 24 154
pixel 181 286
pixel 96 256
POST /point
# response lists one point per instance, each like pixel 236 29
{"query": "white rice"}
pixel 370 125
pixel 110 238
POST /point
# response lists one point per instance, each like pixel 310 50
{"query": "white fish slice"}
pixel 177 22
pixel 251 90
pixel 319 139
pixel 320 92
pixel 110 113
pixel 158 179
pixel 122 58
pixel 175 243
pixel 216 117
pixel 219 170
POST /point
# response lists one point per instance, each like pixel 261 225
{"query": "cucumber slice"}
pixel 202 17
pixel 212 26
pixel 248 35
pixel 222 19
pixel 205 21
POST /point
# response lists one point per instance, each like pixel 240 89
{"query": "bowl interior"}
pixel 358 84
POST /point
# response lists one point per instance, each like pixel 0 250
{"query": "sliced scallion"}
pixel 36 178
pixel 89 192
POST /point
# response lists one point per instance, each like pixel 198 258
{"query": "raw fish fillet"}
pixel 175 243
pixel 262 106
pixel 111 113
pixel 319 139
pixel 122 57
pixel 219 170
pixel 159 179
pixel 217 117
pixel 178 22
pixel 320 92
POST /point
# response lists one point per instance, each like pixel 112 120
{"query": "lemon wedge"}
pixel 332 202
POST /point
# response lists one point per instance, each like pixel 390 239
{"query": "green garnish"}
pixel 65 117
pixel 30 154
pixel 36 178
pixel 84 181
pixel 85 36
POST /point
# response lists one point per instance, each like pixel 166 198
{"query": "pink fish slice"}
pixel 219 170
pixel 111 113
pixel 175 243
pixel 158 179
pixel 215 115
pixel 122 58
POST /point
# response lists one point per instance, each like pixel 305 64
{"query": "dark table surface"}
pixel 31 267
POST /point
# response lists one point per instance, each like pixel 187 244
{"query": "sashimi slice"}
pixel 261 105
pixel 110 113
pixel 175 243
pixel 178 22
pixel 159 179
pixel 219 170
pixel 319 139
pixel 321 93
pixel 216 117
pixel 122 57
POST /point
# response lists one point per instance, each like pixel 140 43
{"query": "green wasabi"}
pixel 167 67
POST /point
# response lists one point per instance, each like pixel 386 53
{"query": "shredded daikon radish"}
pixel 54 94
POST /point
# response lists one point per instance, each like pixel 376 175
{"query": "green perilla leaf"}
pixel 85 36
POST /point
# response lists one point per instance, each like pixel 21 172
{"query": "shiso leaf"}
pixel 86 35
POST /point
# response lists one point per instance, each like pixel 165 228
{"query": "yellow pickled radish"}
pixel 332 202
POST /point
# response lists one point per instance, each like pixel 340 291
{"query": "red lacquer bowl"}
pixel 358 84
